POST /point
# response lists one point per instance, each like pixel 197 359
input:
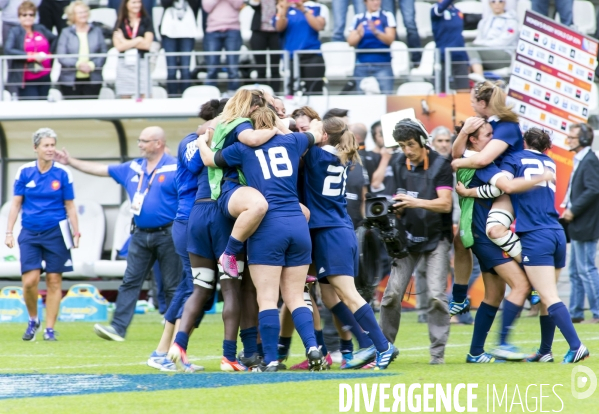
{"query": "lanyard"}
pixel 131 33
pixel 141 178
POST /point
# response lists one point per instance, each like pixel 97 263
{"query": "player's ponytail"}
pixel 264 118
pixel 241 104
pixel 340 137
pixel 494 96
pixel 537 139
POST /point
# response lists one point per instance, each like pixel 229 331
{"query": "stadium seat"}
pixel 470 7
pixel 109 69
pixel 104 15
pixel 157 13
pixel 339 59
pixel 6 95
pixel 583 16
pixel 158 92
pixel 415 88
pixel 521 8
pixel 423 21
pixel 245 19
pixel 427 62
pixel 122 232
pixel 400 59
pixel 54 95
pixel 160 74
pixel 265 88
pixel 92 226
pixel 349 20
pixel 10 267
pixel 202 92
pixel 106 93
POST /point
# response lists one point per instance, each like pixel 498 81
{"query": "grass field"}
pixel 79 351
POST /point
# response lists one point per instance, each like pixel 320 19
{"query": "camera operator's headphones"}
pixel 416 127
pixel 585 138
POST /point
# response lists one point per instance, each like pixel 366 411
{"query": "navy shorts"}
pixel 335 252
pixel 544 247
pixel 185 288
pixel 47 245
pixel 223 201
pixel 488 253
pixel 208 230
pixel 281 241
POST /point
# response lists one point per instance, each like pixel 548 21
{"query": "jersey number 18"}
pixel 278 157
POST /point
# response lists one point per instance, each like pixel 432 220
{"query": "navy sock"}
pixel 182 339
pixel 249 337
pixel 485 315
pixel 269 325
pixel 510 313
pixel 284 344
pixel 459 292
pixel 366 319
pixel 342 312
pixel 547 333
pixel 260 350
pixel 560 315
pixel 320 341
pixel 304 325
pixel 234 246
pixel 229 350
pixel 346 346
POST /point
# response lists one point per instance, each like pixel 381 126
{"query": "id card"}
pixel 137 203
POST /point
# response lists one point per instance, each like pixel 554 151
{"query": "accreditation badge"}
pixel 137 203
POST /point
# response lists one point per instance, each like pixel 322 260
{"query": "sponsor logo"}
pixel 550 59
pixel 585 112
pixel 572 53
pixel 536 38
pixel 578 93
pixel 563 127
pixel 552 46
pixel 547 96
pixel 556 100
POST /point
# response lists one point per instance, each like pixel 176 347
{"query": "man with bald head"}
pixel 150 184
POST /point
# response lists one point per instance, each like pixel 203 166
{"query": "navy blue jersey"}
pixel 298 34
pixel 231 173
pixel 482 206
pixel 324 188
pixel 381 20
pixel 447 24
pixel 271 168
pixel 535 209
pixel 508 132
pixel 189 165
pixel 43 195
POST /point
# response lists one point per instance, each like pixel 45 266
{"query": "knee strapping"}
pixel 240 268
pixel 510 242
pixel 203 277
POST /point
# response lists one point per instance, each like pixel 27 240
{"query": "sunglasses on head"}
pixel 27 14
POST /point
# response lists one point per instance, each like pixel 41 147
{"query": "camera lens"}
pixel 377 209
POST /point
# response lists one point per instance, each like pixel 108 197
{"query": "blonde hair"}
pixel 70 10
pixel 343 139
pixel 494 96
pixel 240 105
pixel 26 6
pixel 264 118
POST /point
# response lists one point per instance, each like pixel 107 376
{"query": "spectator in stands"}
pixel 448 24
pixel 441 141
pixel 340 8
pixel 499 30
pixel 299 22
pixel 178 30
pixel 563 7
pixel 266 37
pixel 10 15
pixel 43 191
pixel 133 36
pixel 80 76
pixel 148 5
pixel 408 14
pixel 150 184
pixel 34 42
pixel 374 29
pixel 51 14
pixel 223 32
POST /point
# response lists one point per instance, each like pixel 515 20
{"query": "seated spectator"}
pixel 448 24
pixel 35 43
pixel 374 29
pixel 223 32
pixel 178 29
pixel 498 30
pixel 266 37
pixel 81 76
pixel 299 22
pixel 133 36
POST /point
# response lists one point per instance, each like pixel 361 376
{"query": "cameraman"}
pixel 425 182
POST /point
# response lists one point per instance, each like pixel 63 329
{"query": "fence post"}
pixel 447 68
pixel 296 71
pixel 287 72
pixel 438 69
pixel 2 79
pixel 149 77
pixel 137 80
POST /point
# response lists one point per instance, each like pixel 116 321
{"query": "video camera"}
pixel 380 214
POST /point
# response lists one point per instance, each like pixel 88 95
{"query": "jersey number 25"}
pixel 536 167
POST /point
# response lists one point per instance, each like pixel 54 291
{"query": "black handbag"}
pixel 471 21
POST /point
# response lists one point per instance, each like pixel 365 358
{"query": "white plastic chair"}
pixel 106 93
pixel 349 20
pixel 339 59
pixel 521 8
pixel 122 228
pixel 54 95
pixel 158 92
pixel 109 68
pixel 265 88
pixel 201 92
pixel 400 59
pixel 104 15
pixel 245 20
pixel 584 19
pixel 415 88
pixel 427 62
pixel 10 266
pixel 160 72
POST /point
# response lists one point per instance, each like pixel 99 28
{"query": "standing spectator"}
pixel 223 32
pixel 563 7
pixel 44 192
pixel 299 22
pixel 408 14
pixel 266 37
pixel 150 183
pixel 81 76
pixel 133 36
pixel 10 15
pixel 51 12
pixel 448 24
pixel 441 141
pixel 178 29
pixel 340 15
pixel 499 30
pixel 31 74
pixel 148 5
pixel 582 214
pixel 374 29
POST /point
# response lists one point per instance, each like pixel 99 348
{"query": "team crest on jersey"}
pixel 55 185
pixel 505 255
pixel 161 178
